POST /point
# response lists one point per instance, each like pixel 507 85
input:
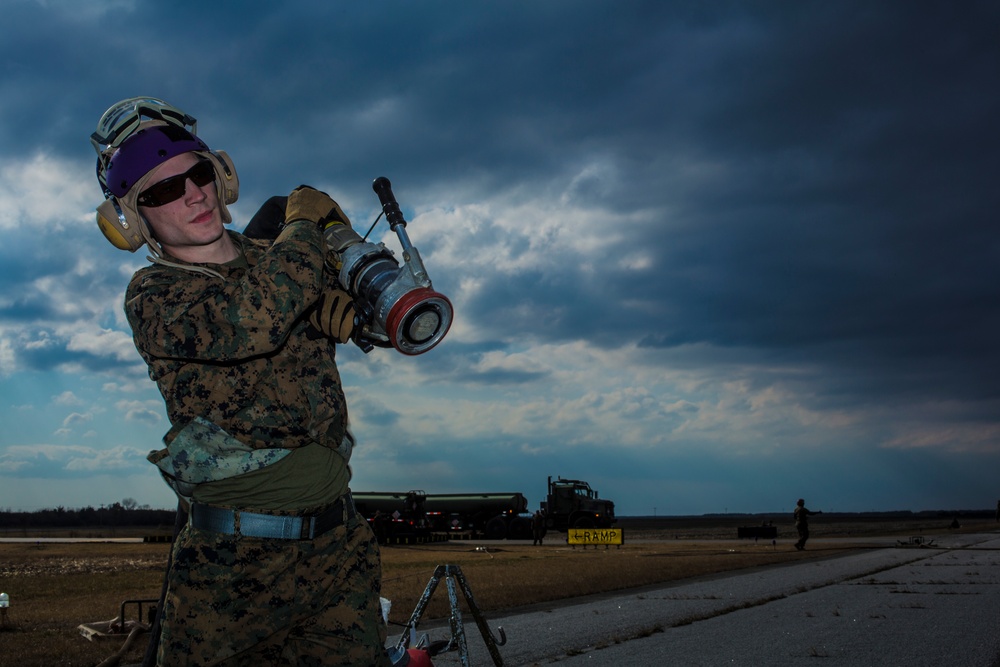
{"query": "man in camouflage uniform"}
pixel 275 566
pixel 801 515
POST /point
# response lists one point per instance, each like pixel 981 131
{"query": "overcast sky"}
pixel 707 256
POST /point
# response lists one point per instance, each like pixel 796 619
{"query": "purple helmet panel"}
pixel 145 150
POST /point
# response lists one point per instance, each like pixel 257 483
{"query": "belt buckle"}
pixel 308 528
pixel 325 521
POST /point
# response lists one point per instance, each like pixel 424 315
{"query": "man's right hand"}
pixel 306 203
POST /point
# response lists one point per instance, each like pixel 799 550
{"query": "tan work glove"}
pixel 334 315
pixel 306 203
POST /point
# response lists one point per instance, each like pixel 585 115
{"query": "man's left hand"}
pixel 334 315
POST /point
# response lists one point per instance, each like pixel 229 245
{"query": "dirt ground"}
pixel 54 587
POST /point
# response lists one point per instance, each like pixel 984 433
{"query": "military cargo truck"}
pixel 571 503
pixel 411 515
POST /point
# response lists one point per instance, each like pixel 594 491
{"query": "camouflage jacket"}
pixel 239 353
pixel 801 515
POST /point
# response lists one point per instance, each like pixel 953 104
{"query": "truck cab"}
pixel 571 503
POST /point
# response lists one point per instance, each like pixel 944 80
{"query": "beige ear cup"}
pixel 229 182
pixel 118 227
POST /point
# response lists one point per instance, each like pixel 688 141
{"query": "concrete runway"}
pixel 912 605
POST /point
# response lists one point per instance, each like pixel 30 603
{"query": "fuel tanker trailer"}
pixel 495 516
pixel 407 514
pixel 394 515
pixel 570 503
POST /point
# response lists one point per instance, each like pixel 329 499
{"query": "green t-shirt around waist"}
pixel 310 477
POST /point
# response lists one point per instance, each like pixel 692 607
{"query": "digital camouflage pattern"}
pixel 242 371
pixel 284 602
pixel 203 452
pixel 240 352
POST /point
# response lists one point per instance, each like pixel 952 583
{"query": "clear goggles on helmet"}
pixel 118 122
pixel 173 188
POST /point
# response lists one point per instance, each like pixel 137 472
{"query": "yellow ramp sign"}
pixel 595 536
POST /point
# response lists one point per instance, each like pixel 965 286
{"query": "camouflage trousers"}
pixel 235 600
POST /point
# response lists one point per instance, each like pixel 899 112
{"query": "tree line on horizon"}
pixel 126 512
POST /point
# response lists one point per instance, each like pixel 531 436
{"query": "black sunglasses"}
pixel 173 188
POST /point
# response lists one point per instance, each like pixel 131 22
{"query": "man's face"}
pixel 189 228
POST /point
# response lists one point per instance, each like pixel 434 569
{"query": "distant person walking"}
pixel 538 528
pixel 802 523
pixel 998 511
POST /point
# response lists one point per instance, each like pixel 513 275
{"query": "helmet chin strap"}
pixel 204 270
pixel 156 257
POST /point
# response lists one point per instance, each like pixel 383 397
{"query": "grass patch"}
pixel 54 587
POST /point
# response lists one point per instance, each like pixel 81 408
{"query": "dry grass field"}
pixel 54 587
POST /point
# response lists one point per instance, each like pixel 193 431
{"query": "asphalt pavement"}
pixel 909 605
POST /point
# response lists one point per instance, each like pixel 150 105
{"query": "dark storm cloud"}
pixel 821 171
pixel 499 377
pixel 797 196
pixel 847 216
pixel 50 357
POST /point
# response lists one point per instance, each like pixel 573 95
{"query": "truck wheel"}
pixel 496 529
pixel 520 529
pixel 584 522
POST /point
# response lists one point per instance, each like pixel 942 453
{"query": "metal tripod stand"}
pixel 451 575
